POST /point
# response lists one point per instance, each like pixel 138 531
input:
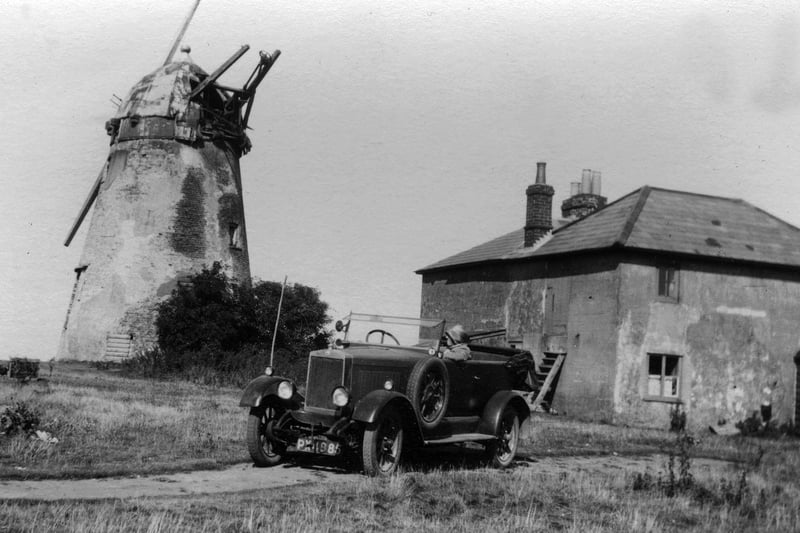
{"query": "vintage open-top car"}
pixel 384 385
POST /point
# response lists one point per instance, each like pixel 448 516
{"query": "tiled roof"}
pixel 658 220
pixel 494 250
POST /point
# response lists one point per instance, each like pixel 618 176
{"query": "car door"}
pixel 489 374
pixel 463 388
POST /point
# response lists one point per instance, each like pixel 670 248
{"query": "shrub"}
pixel 755 426
pixel 677 419
pixel 19 418
pixel 217 332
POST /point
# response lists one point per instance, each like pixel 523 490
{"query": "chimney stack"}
pixel 584 196
pixel 539 209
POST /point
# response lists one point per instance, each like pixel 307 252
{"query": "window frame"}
pixel 668 295
pixel 235 236
pixel 661 397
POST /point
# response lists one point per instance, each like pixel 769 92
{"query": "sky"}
pixel 392 134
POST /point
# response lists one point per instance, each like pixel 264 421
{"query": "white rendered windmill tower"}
pixel 167 202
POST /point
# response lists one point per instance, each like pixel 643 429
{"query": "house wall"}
pixel 585 386
pixel 735 328
pixel 586 285
pixel 472 297
pixel 516 296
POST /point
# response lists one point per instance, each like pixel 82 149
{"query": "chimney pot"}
pixel 574 188
pixel 586 181
pixel 540 173
pixel 596 182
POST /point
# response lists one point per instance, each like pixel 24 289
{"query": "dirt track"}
pixel 244 477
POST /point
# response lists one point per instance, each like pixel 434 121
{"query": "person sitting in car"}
pixel 457 348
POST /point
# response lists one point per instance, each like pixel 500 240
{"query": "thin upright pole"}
pixel 180 33
pixel 277 319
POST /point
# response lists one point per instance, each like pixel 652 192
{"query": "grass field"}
pixel 108 425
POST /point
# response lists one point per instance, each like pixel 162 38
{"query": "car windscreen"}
pixel 380 329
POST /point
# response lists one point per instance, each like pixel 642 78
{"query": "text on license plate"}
pixel 317 445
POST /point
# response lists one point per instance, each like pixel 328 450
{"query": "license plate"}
pixel 317 445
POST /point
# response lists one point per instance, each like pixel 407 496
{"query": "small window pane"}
pixel 654 386
pixel 655 366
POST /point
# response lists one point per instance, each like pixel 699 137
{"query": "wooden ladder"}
pixel 548 382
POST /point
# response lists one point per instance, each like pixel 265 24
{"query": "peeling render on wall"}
pixel 188 235
pixel 735 330
pixel 158 219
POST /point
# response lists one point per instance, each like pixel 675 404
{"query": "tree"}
pixel 213 315
pixel 302 319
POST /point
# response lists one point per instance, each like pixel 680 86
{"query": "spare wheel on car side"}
pixel 429 391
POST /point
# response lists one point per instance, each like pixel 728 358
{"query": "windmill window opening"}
pixel 235 236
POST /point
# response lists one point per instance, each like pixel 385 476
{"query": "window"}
pixel 664 377
pixel 668 282
pixel 234 233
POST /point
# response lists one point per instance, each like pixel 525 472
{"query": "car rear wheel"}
pixel 429 391
pixel 382 444
pixel 263 450
pixel 501 451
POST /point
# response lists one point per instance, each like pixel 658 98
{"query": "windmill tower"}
pixel 167 202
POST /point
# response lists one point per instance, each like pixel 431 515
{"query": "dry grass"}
pixel 112 425
pixel 554 436
pixel 441 500
pixel 109 425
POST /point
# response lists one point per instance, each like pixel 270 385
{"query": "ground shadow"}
pixel 466 456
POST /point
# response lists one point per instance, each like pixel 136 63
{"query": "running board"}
pixel 462 437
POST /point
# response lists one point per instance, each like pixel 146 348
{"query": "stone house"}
pixel 660 299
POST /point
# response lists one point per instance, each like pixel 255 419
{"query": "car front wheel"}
pixel 382 444
pixel 501 451
pixel 263 451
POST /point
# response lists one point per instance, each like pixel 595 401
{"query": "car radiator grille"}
pixel 324 374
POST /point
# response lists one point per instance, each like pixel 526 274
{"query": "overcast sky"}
pixel 392 134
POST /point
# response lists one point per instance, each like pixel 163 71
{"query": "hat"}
pixel 457 334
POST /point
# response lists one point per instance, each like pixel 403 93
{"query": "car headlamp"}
pixel 340 397
pixel 269 371
pixel 285 390
pixel 388 385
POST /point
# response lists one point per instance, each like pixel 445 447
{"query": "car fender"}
pixel 369 408
pixel 490 421
pixel 267 386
